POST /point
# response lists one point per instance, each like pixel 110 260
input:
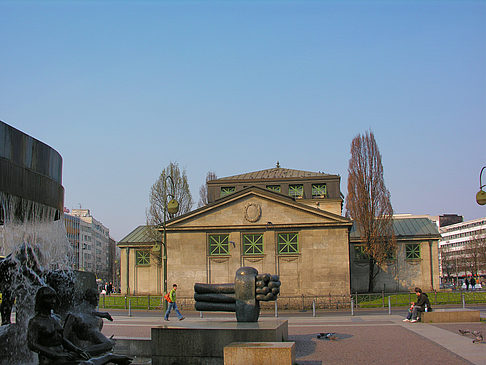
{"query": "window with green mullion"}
pixel 226 190
pixel 412 251
pixel 360 253
pixel 218 244
pixel 142 257
pixel 275 188
pixel 287 243
pixel 296 190
pixel 319 190
pixel 253 244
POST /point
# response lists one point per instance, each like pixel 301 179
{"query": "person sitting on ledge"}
pixel 418 306
pixel 45 336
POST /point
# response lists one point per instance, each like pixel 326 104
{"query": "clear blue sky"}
pixel 120 89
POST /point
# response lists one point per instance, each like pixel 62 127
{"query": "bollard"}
pixel 200 314
pixel 463 300
pixel 129 307
pixel 313 308
pixel 103 300
pixel 148 305
pixel 276 309
pixel 352 306
pixel 303 307
pixel 389 305
pixel 125 302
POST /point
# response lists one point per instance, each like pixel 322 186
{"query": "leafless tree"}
pixel 163 191
pixel 203 190
pixel 368 203
pixel 475 253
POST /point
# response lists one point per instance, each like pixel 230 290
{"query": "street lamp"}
pixel 481 195
pixel 172 207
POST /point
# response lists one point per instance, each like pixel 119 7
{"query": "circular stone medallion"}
pixel 253 212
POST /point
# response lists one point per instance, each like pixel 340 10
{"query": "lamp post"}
pixel 172 207
pixel 481 195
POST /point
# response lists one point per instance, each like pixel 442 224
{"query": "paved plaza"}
pixel 368 337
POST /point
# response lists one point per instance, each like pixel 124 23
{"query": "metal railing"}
pixel 305 303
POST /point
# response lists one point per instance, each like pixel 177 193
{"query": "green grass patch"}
pixel 398 300
pixel 134 302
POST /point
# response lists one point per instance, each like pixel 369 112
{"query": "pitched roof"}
pixel 255 190
pixel 271 174
pixel 407 227
pixel 141 234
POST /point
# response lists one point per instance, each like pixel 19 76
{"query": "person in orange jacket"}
pixel 171 299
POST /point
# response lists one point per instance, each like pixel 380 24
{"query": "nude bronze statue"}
pixel 45 336
pixel 83 327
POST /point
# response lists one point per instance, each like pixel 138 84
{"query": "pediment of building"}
pixel 255 208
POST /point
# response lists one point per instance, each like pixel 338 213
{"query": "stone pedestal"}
pixel 259 353
pixel 203 342
pixel 451 315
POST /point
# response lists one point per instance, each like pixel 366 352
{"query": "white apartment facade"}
pixel 94 244
pixel 463 249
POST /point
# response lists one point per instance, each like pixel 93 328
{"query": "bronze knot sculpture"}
pixel 242 297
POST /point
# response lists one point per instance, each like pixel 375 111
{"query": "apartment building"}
pixel 463 249
pixel 91 242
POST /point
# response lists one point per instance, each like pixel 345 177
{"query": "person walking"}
pixel 171 300
pixel 473 283
pixel 467 284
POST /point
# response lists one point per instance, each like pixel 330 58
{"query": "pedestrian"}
pixel 467 284
pixel 421 305
pixel 473 283
pixel 110 288
pixel 171 300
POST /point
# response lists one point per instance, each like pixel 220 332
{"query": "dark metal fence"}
pixel 305 303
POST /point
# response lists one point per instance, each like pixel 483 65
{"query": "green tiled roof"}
pixel 141 234
pixel 408 227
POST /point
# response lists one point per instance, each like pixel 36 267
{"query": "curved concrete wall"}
pixel 30 169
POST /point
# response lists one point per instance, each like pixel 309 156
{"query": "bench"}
pixel 259 353
pixel 450 315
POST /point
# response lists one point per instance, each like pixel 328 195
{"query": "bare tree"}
pixel 203 190
pixel 163 190
pixel 475 253
pixel 368 203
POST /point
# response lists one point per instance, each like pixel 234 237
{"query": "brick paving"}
pixel 367 339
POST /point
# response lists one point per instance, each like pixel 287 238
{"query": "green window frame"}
pixel 319 190
pixel 287 243
pixel 253 244
pixel 359 253
pixel 296 190
pixel 412 251
pixel 276 188
pixel 226 190
pixel 218 244
pixel 142 257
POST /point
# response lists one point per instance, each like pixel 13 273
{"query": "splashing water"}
pixel 33 244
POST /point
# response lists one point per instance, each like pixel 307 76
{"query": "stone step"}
pixel 259 353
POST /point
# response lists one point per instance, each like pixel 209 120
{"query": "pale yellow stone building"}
pixel 280 221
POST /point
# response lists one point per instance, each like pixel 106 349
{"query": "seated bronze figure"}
pixel 45 336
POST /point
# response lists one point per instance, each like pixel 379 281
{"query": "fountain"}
pixel 34 249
